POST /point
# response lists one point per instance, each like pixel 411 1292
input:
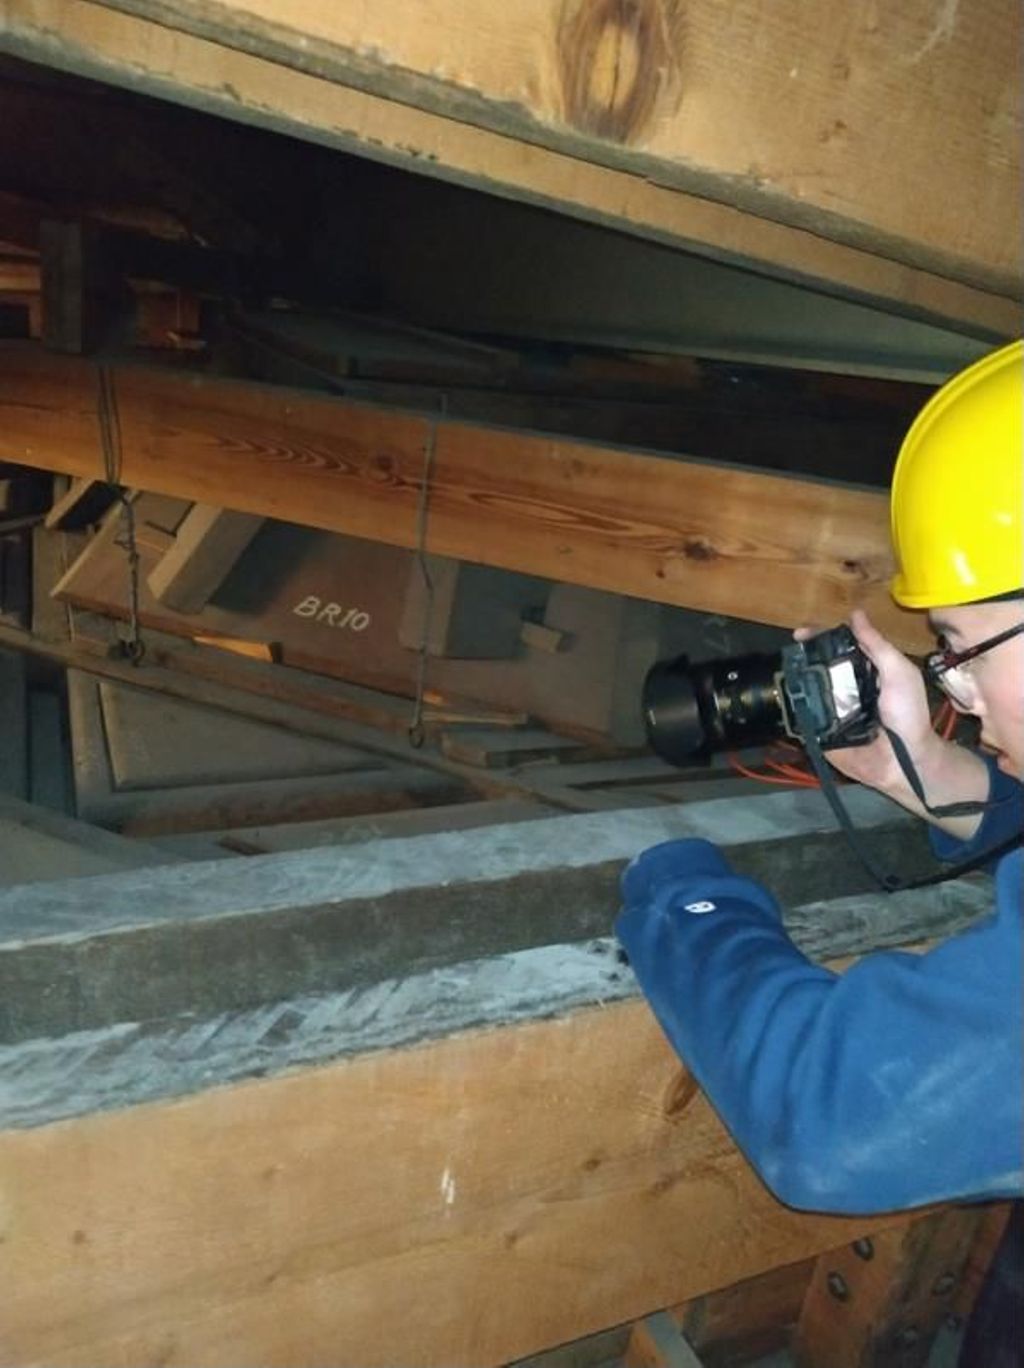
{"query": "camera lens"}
pixel 691 711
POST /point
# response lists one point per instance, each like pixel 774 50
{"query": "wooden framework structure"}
pixel 402 1104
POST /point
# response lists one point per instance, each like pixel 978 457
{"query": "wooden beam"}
pixel 881 1301
pixel 393 1208
pixel 69 324
pixel 206 546
pixel 656 1342
pixel 702 195
pixel 749 1320
pixel 317 921
pixel 83 503
pixel 716 538
pixel 622 91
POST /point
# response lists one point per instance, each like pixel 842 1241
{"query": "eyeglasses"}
pixel 950 670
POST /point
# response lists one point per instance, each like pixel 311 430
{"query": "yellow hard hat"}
pixel 958 487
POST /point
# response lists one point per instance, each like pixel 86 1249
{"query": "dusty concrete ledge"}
pixel 213 937
pixel 45 1080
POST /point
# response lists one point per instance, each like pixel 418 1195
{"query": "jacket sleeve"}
pixel 891 1086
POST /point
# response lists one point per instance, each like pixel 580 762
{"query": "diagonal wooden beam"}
pixel 711 537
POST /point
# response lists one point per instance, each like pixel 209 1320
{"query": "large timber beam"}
pixel 188 938
pixel 458 1204
pixel 712 537
pixel 736 133
pixel 362 1175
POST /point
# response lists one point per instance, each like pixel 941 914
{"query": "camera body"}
pixel 691 711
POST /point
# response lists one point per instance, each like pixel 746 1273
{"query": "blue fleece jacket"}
pixel 891 1086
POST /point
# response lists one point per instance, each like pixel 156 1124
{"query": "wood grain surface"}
pixel 465 1202
pixel 712 537
pixel 699 213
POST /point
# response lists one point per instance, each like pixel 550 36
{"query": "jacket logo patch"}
pixel 699 908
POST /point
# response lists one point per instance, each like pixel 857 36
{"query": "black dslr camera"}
pixel 826 684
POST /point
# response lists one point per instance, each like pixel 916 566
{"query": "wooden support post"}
pixel 657 1342
pixel 749 1320
pixel 879 1302
pixel 67 286
pixel 14 724
pixel 207 545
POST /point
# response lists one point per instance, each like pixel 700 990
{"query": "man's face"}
pixel 996 678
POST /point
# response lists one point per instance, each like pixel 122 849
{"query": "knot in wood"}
pixel 617 60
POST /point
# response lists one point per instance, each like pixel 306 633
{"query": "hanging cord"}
pixel 110 440
pixel 417 734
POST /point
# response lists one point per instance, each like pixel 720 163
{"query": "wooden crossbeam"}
pixel 691 94
pixel 396 1207
pixel 824 205
pixel 699 535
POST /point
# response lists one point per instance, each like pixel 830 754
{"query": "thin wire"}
pixel 417 734
pixel 110 440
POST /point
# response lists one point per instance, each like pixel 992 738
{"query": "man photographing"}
pixel 898 1083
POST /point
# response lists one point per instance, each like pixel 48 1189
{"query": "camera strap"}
pixel 891 883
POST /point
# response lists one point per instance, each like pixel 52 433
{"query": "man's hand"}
pixel 948 772
pixel 902 707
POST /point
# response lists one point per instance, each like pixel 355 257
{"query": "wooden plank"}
pixel 284 698
pixel 656 1342
pixel 84 503
pixel 880 1302
pixel 40 845
pixel 499 749
pixel 623 92
pixel 157 743
pixel 123 49
pixel 206 547
pixel 394 1208
pixel 467 612
pixel 718 538
pixel 282 593
pixel 748 1320
pixel 379 826
pixel 68 305
pixel 212 807
pixel 152 945
pixel 110 785
pixel 14 728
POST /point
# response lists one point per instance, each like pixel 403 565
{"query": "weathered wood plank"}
pixel 206 546
pixel 394 1208
pixel 38 844
pixel 343 831
pixel 622 89
pixel 639 197
pixel 719 538
pixel 312 921
pixel 14 727
pixel 69 324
